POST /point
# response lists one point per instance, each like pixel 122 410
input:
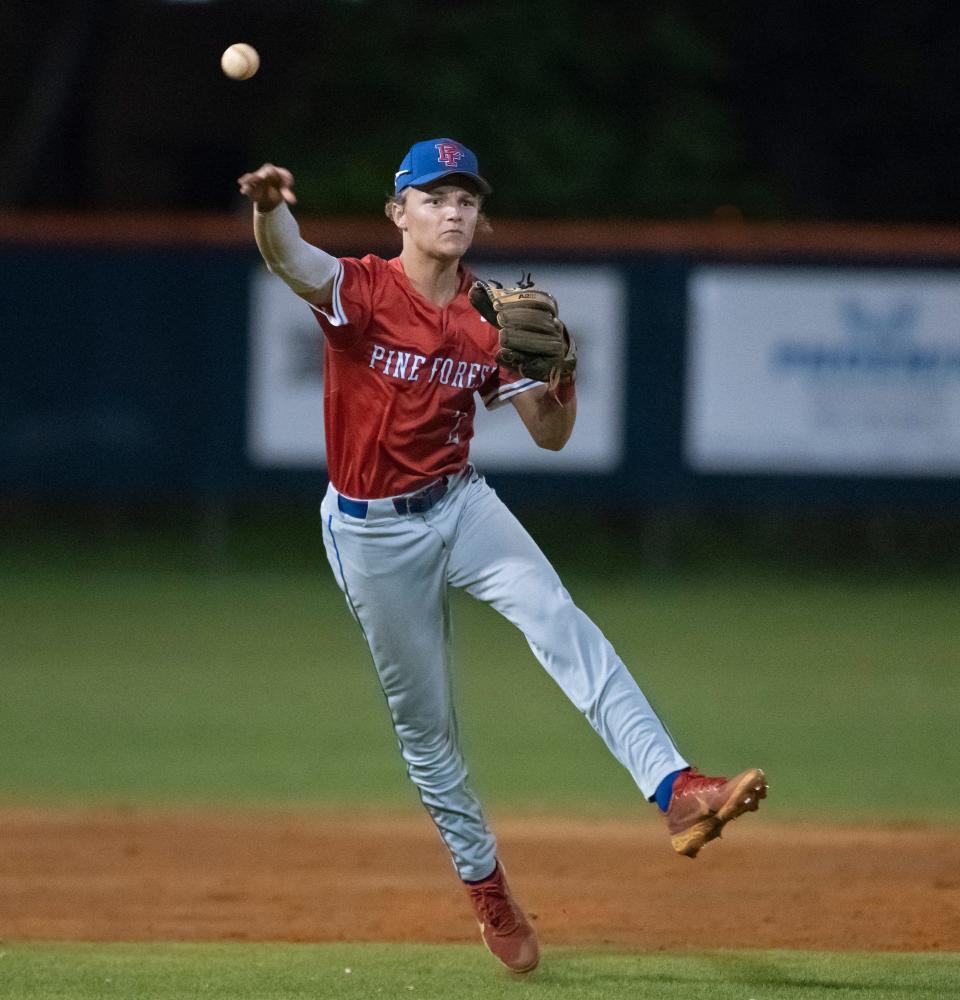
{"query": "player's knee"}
pixel 547 602
pixel 427 740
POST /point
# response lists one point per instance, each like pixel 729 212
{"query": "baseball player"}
pixel 410 343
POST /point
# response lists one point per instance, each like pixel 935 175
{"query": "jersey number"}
pixel 459 417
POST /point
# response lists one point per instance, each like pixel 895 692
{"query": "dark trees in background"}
pixel 787 110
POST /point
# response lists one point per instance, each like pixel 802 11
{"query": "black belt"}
pixel 413 503
pixel 421 501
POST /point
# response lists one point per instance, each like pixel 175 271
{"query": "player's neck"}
pixel 438 281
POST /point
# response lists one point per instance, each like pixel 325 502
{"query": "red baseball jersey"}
pixel 400 375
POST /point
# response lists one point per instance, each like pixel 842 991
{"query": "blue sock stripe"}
pixel 664 790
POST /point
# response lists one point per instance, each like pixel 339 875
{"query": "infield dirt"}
pixel 158 874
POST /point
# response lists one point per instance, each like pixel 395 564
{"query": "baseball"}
pixel 240 61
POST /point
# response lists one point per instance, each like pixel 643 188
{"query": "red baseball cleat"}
pixel 700 807
pixel 503 927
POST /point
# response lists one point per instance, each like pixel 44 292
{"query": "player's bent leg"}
pixel 497 561
pixel 392 575
pixel 516 578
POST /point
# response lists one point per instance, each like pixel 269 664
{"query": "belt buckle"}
pixel 402 505
pixel 435 492
pixel 423 500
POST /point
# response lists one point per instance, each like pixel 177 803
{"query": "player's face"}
pixel 440 221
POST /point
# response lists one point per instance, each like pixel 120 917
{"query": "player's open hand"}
pixel 268 186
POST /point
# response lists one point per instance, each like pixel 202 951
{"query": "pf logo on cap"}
pixel 448 154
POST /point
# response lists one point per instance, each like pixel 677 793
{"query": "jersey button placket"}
pixel 445 323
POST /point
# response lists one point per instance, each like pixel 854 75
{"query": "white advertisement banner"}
pixel 823 371
pixel 285 397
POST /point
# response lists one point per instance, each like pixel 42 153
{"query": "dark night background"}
pixel 789 109
pixel 768 112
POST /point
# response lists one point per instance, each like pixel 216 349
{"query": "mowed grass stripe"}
pixel 285 972
pixel 179 685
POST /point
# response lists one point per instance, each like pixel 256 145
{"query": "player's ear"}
pixel 396 209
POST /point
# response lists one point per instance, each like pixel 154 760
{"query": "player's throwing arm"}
pixel 309 271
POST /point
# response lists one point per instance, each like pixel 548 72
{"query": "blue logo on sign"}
pixel 876 342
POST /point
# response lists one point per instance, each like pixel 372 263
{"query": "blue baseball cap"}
pixel 435 158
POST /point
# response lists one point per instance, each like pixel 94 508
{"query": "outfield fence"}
pixel 724 363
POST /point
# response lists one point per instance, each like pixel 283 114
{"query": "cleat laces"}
pixel 495 908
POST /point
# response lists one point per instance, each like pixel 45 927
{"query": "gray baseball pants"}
pixel 395 570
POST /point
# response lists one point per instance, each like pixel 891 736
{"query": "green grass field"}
pixel 133 674
pixel 457 972
pixel 128 678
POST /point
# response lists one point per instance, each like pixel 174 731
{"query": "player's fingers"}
pixel 269 173
pixel 251 183
pixel 278 179
pixel 277 176
pixel 257 189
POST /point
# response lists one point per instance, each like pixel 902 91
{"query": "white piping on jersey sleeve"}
pixel 504 393
pixel 335 315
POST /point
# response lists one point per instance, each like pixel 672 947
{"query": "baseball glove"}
pixel 533 340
